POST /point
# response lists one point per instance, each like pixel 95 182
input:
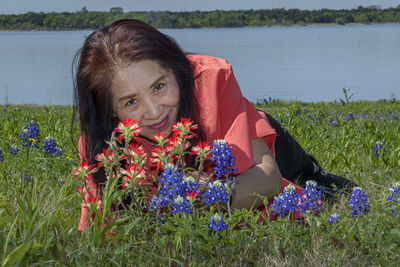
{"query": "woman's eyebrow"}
pixel 156 81
pixel 126 97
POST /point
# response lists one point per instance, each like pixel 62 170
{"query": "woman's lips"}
pixel 159 125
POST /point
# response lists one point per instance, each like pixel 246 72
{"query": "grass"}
pixel 39 215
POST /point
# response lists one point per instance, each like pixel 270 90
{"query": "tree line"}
pixel 84 19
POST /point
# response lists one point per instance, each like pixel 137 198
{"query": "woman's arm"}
pixel 263 178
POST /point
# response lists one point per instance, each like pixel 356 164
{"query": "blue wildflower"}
pixel 358 202
pixel 50 147
pixel 217 223
pixel 223 158
pixel 311 199
pixel 394 195
pixel 333 218
pixel 180 204
pixel 379 149
pixel 286 201
pixel 298 113
pixel 14 149
pixel 155 204
pixel 216 192
pixel 30 136
pixel 332 121
pixel 1 155
pixel 188 185
pixel 27 178
pixel 282 120
pixel 350 116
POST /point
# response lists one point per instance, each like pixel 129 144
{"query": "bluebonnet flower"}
pixel 286 201
pixel 180 204
pixel 174 187
pixel 217 223
pixel 298 113
pixel 311 199
pixel 223 159
pixel 282 120
pixel 394 195
pixel 25 138
pixel 216 192
pixel 50 147
pixel 379 149
pixel 188 185
pixel 155 204
pixel 30 136
pixel 358 202
pixel 14 149
pixel 27 178
pixel 333 218
pixel 170 183
pixel 230 184
pixel 332 121
pixel 350 116
pixel 1 155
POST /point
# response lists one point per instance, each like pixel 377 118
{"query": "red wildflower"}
pixel 192 196
pixel 104 158
pixel 133 173
pixel 84 170
pixel 202 149
pixel 128 128
pixel 185 128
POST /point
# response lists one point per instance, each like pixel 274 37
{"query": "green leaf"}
pixel 17 254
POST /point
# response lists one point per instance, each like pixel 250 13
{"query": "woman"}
pixel 131 70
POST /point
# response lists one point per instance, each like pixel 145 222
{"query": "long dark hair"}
pixel 122 43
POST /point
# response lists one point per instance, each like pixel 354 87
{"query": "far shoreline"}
pixel 264 26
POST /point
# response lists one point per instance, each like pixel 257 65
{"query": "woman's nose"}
pixel 153 110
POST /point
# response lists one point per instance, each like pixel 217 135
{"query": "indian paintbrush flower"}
pixel 127 128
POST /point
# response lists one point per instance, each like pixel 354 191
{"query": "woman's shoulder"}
pixel 203 63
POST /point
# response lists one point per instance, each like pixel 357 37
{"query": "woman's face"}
pixel 146 92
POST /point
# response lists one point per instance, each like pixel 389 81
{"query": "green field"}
pixel 40 206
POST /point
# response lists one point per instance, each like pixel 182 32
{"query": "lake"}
pixel 310 63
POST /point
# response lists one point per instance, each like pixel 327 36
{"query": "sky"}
pixel 23 6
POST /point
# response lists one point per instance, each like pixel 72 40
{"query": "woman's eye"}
pixel 159 86
pixel 131 102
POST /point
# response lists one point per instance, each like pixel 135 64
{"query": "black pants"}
pixel 293 162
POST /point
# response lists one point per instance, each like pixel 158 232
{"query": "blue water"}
pixel 291 63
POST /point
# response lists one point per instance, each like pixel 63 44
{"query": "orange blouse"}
pixel 224 114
